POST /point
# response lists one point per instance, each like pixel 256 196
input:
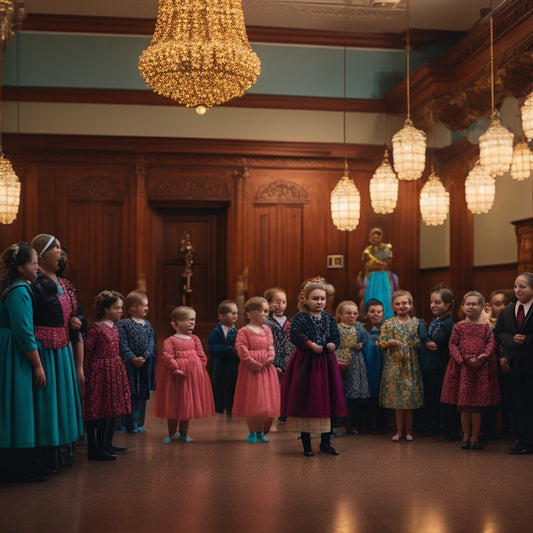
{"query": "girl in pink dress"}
pixel 471 380
pixel 183 387
pixel 107 390
pixel 257 393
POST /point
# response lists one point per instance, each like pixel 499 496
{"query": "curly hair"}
pixel 307 287
pixel 104 300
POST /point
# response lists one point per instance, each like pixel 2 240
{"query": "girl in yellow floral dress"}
pixel 401 380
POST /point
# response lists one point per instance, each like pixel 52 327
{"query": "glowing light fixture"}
pixel 496 144
pixel 522 162
pixel 384 187
pixel 434 201
pixel 480 189
pixel 200 54
pixel 409 144
pixel 527 117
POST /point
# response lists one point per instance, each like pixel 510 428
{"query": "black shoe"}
pixel 102 456
pixel 519 448
pixel 466 445
pixel 115 449
pixel 476 446
pixel 328 449
pixel 309 453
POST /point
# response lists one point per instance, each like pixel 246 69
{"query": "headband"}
pixel 47 245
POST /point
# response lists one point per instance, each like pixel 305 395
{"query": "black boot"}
pixel 306 441
pixel 100 453
pixel 110 431
pixel 325 446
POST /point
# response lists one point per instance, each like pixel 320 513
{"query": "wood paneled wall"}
pixel 107 199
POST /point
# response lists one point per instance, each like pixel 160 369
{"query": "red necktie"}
pixel 520 316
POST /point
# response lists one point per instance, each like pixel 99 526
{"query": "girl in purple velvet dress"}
pixel 312 391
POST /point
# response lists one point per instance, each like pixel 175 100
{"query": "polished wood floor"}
pixel 221 483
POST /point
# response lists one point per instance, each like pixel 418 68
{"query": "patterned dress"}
pixel 282 343
pixel 464 385
pixel 374 361
pixel 183 398
pixel 401 378
pixel 257 392
pixel 354 377
pixel 312 390
pixel 107 392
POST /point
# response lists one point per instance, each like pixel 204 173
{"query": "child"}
pixel 224 359
pixel 401 381
pixel 312 390
pixel 497 301
pixel 107 393
pixel 353 336
pixel 471 381
pixel 183 389
pixel 279 325
pixel 257 394
pixel 137 349
pixel 374 361
pixel 514 332
pixel 434 360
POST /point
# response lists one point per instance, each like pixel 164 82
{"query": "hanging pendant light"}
pixel 345 199
pixel 527 117
pixel 409 144
pixel 384 187
pixel 496 144
pixel 200 54
pixel 480 189
pixel 522 162
pixel 434 201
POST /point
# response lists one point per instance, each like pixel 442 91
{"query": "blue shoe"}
pixel 142 430
pixel 136 430
pixel 166 440
pixel 186 438
pixel 261 437
pixel 251 438
pixel 122 428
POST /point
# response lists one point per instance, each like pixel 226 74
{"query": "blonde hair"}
pixel 475 294
pixel 182 311
pixel 307 287
pixel 270 293
pixel 341 306
pixel 134 297
pixel 401 292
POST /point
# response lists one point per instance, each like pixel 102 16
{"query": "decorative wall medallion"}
pixel 198 188
pixel 282 192
pixel 95 188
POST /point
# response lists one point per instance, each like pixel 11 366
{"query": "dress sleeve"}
pixel 150 349
pixel 386 334
pixel 90 346
pixel 334 335
pixel 242 348
pixel 20 311
pixel 490 348
pixel 200 350
pixel 453 346
pixel 298 332
pixel 167 358
pixel 271 353
pixel 125 351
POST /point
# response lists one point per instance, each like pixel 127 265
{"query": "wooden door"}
pixel 207 230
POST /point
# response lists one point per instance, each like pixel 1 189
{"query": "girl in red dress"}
pixel 471 380
pixel 183 388
pixel 257 392
pixel 107 390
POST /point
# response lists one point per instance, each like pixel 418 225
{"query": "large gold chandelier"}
pixel 200 54
pixel 384 187
pixel 480 189
pixel 434 201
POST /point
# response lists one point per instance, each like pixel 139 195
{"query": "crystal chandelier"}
pixel 496 144
pixel 480 189
pixel 522 162
pixel 384 187
pixel 200 54
pixel 345 204
pixel 9 192
pixel 527 117
pixel 345 199
pixel 12 12
pixel 434 201
pixel 409 144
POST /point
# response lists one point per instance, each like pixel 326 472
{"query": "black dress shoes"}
pixel 101 456
pixel 328 449
pixel 115 449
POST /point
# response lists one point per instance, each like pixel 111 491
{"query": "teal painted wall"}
pixel 110 62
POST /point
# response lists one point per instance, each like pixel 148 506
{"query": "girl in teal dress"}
pixel 58 405
pixel 401 380
pixel 20 366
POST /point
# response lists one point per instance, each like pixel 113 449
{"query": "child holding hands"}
pixel 257 393
pixel 183 387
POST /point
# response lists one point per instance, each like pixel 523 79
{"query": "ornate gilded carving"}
pixel 204 188
pixel 95 188
pixel 282 192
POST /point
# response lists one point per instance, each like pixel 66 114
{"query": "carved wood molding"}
pixel 187 188
pixel 282 192
pixel 95 187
